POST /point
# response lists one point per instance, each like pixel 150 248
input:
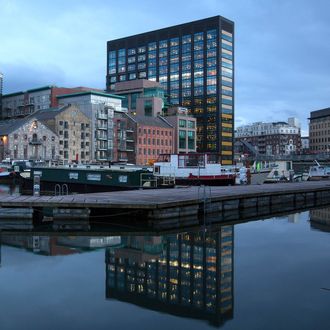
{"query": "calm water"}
pixel 270 274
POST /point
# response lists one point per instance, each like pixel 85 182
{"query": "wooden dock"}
pixel 157 205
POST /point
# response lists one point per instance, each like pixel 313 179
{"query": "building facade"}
pixel 184 129
pixel 276 138
pixel 319 131
pixel 58 134
pixel 29 139
pixel 153 136
pixel 100 108
pixel 24 103
pixel 194 62
pixel 142 96
pixel 73 129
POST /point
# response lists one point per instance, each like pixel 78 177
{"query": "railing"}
pixel 101 116
pixel 147 182
pixel 35 141
pixel 61 190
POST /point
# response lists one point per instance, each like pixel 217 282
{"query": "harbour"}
pixel 187 277
pixel 169 207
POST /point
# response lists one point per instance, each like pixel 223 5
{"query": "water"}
pixel 270 274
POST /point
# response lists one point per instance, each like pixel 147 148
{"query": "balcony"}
pixel 102 148
pixel 102 127
pixel 101 116
pixel 35 141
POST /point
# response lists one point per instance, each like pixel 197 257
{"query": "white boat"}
pixel 193 169
pixel 318 172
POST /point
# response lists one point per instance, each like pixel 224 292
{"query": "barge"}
pixel 61 180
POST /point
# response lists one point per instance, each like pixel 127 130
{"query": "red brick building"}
pixel 153 136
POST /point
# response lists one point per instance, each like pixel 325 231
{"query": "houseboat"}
pixel 69 179
pixel 193 169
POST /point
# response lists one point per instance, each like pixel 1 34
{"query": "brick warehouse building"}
pixel 194 62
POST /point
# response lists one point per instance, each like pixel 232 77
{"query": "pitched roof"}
pixel 10 125
pixel 151 121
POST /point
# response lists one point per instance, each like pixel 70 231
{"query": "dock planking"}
pixel 162 198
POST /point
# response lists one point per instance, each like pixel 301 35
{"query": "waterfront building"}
pixel 152 135
pixel 57 134
pixel 146 98
pixel 100 108
pixel 319 130
pixel 23 103
pixel 27 138
pixel 73 129
pixel 194 62
pixel 188 274
pixel 184 129
pixel 275 138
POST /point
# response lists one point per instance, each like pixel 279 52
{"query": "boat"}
pixel 67 179
pixel 318 172
pixel 7 174
pixel 193 169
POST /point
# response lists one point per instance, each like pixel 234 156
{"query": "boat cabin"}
pixel 190 164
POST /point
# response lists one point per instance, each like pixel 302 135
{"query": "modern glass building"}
pixel 194 62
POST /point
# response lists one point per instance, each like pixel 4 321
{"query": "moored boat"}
pixel 318 172
pixel 6 175
pixel 85 179
pixel 194 169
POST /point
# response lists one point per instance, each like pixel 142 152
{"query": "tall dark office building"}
pixel 194 62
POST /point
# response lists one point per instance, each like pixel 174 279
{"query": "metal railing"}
pixel 61 190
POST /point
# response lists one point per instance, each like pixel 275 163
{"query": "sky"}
pixel 282 48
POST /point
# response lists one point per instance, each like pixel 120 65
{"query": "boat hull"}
pixel 73 180
pixel 206 180
pixel 7 177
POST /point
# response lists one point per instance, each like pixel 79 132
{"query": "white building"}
pixel 276 138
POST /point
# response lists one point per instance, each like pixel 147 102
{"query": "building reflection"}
pixel 58 245
pixel 320 219
pixel 187 274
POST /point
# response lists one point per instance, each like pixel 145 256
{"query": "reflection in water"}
pixel 9 189
pixel 185 274
pixel 189 274
pixel 320 219
pixel 58 245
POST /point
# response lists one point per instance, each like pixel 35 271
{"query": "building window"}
pixel 191 140
pixel 148 108
pixel 182 139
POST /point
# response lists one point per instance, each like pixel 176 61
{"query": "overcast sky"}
pixel 282 46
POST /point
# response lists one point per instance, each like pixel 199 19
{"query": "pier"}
pixel 178 205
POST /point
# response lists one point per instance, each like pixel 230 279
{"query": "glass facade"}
pixel 195 66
